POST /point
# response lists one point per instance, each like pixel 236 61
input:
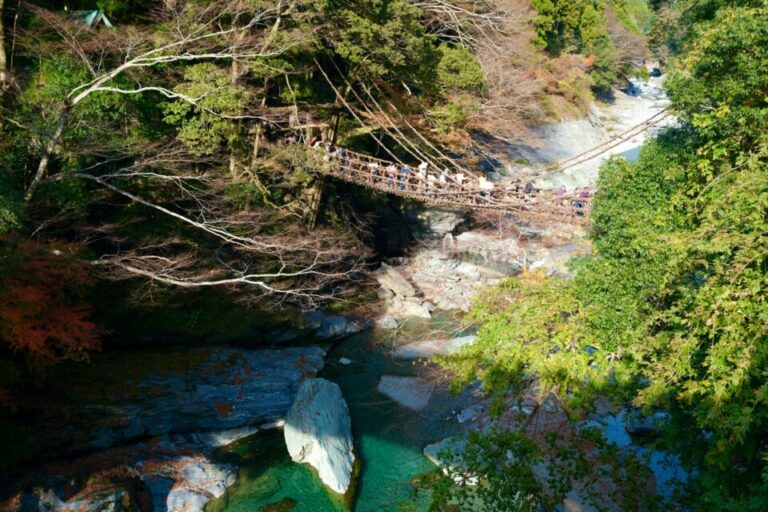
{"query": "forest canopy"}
pixel 670 312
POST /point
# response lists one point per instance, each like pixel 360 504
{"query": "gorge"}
pixel 383 255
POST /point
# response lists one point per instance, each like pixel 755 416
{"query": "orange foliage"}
pixel 40 312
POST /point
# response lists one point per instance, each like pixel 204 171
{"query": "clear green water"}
pixel 389 440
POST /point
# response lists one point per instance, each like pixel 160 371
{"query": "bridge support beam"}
pixel 314 208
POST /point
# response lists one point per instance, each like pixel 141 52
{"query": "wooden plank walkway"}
pixel 535 207
pixel 404 181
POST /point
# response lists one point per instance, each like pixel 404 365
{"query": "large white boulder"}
pixel 318 432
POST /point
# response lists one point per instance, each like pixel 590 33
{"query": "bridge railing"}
pixel 391 178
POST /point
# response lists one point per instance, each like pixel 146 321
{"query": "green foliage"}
pixel 202 125
pixel 383 39
pixel 509 485
pixel 459 69
pixel 635 15
pixel 675 297
pixel 10 204
pixel 448 116
pixel 721 88
pixel 568 26
pixel 533 325
pixel 578 27
pixel 244 195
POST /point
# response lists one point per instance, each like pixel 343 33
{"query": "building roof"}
pixel 92 18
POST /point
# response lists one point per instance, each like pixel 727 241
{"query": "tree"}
pixel 105 74
pixel 3 58
pixel 670 309
pixel 42 314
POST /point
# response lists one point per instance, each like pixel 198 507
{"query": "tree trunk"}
pixel 3 61
pixel 314 209
pixel 42 167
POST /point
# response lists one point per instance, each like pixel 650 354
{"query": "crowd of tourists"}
pixel 428 179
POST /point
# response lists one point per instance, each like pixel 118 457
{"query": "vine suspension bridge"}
pixel 533 206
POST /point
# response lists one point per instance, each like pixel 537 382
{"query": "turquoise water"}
pixel 389 440
pixel 268 476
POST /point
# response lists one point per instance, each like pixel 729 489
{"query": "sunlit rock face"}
pixel 146 476
pixel 411 392
pixel 424 349
pixel 318 432
pixel 180 392
pixel 232 389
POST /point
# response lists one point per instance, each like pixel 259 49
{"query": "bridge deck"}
pixel 539 206
pixel 388 177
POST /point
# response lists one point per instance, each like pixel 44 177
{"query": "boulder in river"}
pixel 387 322
pixel 318 431
pixel 411 392
pixel 145 476
pixel 427 348
pixel 197 481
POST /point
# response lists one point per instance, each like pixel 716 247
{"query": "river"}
pixel 389 437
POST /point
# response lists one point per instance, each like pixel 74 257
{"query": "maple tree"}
pixel 40 309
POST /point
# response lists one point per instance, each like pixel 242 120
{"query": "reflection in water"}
pixel 389 439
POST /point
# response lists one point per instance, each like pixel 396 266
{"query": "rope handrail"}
pixel 404 180
pixel 390 178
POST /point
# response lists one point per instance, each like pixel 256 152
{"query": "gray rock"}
pixel 411 392
pixel 448 454
pixel 390 279
pixel 432 222
pixel 345 361
pixel 108 500
pixel 232 389
pixel 568 138
pixel 470 413
pixel 414 308
pixel 159 488
pixel 385 294
pixel 197 481
pixel 428 348
pixel 387 322
pixel 225 437
pixel 186 500
pixel 332 327
pixel 448 448
pixel 318 431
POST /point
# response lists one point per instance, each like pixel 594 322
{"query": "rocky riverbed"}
pixel 146 423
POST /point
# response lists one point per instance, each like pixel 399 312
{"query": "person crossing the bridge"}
pixel 459 179
pixel 423 175
pixel 486 187
pixel 374 171
pixel 431 183
pixel 391 171
pixel 444 178
pixel 405 174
